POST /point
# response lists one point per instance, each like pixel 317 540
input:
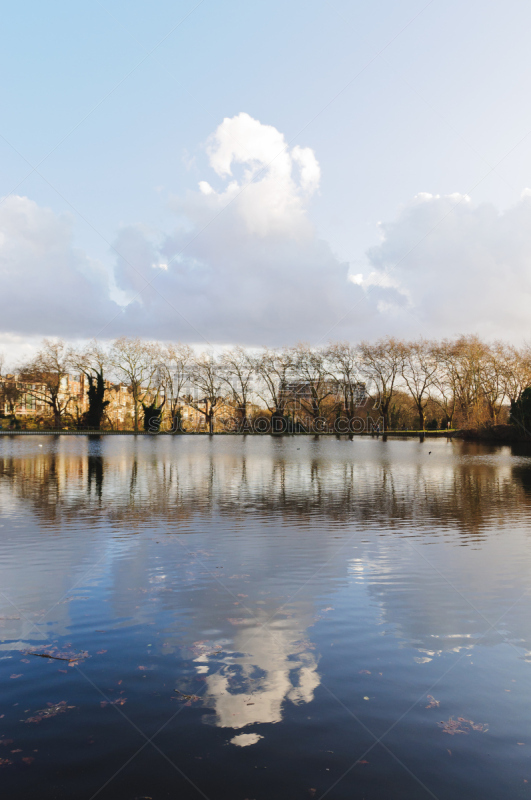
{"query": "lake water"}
pixel 246 618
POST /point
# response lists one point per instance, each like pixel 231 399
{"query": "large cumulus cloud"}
pixel 460 267
pixel 47 287
pixel 244 263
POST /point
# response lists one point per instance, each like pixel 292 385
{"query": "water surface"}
pixel 242 618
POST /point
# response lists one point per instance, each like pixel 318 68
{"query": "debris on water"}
pixel 120 701
pixel 193 698
pixel 364 672
pixel 52 710
pixel 205 647
pixel 462 725
pixel 16 676
pixel 433 702
pixel 58 655
pixel 28 759
pixel 5 761
pixel 5 742
pixel 100 652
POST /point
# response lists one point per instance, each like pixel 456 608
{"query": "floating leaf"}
pixel 364 672
pixel 462 725
pixel 433 702
pixel 51 711
pixel 16 676
pixel 120 701
pixel 190 697
pixel 28 759
pixel 206 648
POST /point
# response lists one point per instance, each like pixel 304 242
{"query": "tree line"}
pixel 453 383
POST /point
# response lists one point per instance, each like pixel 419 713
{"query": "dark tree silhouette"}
pixel 152 415
pixel 521 412
pixel 96 398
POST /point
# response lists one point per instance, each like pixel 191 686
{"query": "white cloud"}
pixel 246 739
pixel 244 262
pixel 47 287
pixel 460 267
pixel 269 196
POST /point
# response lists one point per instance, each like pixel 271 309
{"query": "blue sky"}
pixel 114 104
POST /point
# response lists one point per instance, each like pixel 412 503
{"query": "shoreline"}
pixel 398 434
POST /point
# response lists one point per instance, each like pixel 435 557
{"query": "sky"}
pixel 264 173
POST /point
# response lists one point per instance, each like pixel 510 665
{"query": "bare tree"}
pixel 381 364
pixel 419 371
pixel 237 373
pixel 138 363
pixel 314 385
pixel 275 369
pixel 493 379
pixel 516 371
pixel 344 365
pixel 176 360
pixel 46 377
pixel 465 362
pixel 205 375
pixel 444 392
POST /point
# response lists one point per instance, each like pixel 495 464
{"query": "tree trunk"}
pixel 385 413
pixel 136 415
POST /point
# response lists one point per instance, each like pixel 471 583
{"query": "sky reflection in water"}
pixel 267 609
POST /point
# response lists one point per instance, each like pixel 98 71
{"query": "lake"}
pixel 246 618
